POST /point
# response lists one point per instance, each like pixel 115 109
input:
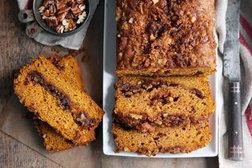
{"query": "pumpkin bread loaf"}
pixel 55 99
pixel 143 102
pixel 176 139
pixel 165 37
pixel 53 141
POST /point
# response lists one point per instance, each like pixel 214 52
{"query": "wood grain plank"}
pixel 16 48
pixel 128 162
pixel 14 154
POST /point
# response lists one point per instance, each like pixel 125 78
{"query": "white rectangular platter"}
pixel 109 79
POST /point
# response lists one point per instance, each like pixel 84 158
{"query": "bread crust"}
pixel 165 38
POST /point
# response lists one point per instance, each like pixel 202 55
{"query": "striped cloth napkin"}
pixel 73 41
pixel 246 41
pixel 246 84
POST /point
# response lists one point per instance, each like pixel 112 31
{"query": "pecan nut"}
pixel 63 15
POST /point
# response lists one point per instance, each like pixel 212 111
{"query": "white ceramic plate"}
pixel 109 79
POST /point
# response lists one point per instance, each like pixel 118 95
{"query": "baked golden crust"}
pixel 165 38
pixel 142 102
pixel 179 139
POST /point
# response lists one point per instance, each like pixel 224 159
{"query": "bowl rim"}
pixel 51 31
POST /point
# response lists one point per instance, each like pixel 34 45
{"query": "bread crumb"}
pixel 131 20
pixel 193 19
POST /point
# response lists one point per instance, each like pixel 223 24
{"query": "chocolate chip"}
pixel 159 135
pixel 198 93
pixel 175 99
pixel 84 120
pixel 65 101
pixel 26 82
pixel 198 73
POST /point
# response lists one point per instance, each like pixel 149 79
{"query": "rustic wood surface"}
pixel 17 50
pixel 15 154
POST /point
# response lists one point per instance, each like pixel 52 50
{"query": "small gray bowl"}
pixel 41 22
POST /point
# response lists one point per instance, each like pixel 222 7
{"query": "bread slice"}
pixel 53 141
pixel 69 66
pixel 178 139
pixel 55 99
pixel 142 102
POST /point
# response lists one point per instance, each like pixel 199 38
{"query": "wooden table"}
pixel 17 50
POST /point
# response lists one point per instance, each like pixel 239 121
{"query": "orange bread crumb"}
pixel 144 101
pixel 51 95
pixel 176 139
pixel 53 141
pixel 69 66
